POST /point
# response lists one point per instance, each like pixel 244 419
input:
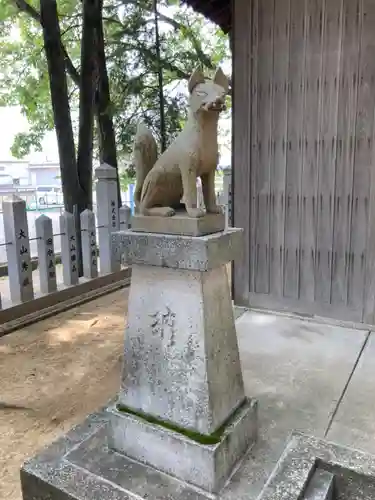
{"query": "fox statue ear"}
pixel 221 79
pixel 196 78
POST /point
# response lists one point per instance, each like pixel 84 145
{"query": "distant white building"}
pixel 14 173
pixel 24 173
pixel 44 174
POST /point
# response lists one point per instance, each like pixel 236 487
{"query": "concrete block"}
pixel 320 486
pixel 315 469
pixel 179 224
pixel 178 252
pixel 81 466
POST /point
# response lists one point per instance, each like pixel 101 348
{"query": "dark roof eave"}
pixel 217 11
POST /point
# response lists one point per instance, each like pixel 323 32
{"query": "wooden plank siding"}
pixel 279 156
pixel 310 136
pixel 332 30
pixel 242 47
pixel 369 309
pixel 254 150
pixel 303 155
pixel 264 15
pixel 296 87
pixel 363 156
pixel 348 93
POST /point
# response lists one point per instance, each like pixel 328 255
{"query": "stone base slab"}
pixel 315 469
pixel 81 466
pixel 179 224
pixel 205 466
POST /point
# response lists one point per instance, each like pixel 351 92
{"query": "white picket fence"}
pixel 96 229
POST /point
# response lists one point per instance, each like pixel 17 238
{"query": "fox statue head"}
pixel 207 96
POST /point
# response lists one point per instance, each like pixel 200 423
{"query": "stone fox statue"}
pixel 163 182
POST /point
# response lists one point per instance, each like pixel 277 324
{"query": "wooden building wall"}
pixel 303 155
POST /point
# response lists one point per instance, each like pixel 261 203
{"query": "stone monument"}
pixel 182 407
pixel 181 423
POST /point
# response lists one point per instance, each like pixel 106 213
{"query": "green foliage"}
pixel 186 40
pixel 127 176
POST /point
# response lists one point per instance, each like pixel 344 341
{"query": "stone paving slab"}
pixel 297 370
pixel 354 423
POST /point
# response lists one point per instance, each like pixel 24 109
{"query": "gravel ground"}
pixel 53 373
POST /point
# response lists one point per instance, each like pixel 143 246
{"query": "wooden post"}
pixel 16 233
pixel 108 216
pixel 125 214
pixel 89 248
pixel 46 254
pixel 228 197
pixel 69 249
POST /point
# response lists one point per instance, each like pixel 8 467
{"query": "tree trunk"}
pixel 163 144
pixel 86 101
pixel 86 105
pixel 106 131
pixel 60 102
pixel 76 176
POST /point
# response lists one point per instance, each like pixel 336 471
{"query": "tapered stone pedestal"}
pixel 181 409
pixel 181 359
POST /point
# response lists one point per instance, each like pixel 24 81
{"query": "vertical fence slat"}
pixel 89 248
pixel 125 214
pixel 68 249
pixel 227 188
pixel 108 216
pixel 18 250
pixel 46 254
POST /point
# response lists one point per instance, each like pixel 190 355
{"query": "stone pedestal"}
pixel 181 360
pixel 182 384
pixel 181 409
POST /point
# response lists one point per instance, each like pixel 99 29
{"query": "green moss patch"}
pixel 208 439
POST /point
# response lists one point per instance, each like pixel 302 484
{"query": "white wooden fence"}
pixel 97 256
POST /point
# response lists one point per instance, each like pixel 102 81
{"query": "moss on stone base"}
pixel 207 439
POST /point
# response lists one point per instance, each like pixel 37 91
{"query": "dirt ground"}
pixel 59 370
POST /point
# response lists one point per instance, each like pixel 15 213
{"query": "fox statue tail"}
pixel 144 155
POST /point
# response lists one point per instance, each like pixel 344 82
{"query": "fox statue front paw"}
pixel 214 209
pixel 195 213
